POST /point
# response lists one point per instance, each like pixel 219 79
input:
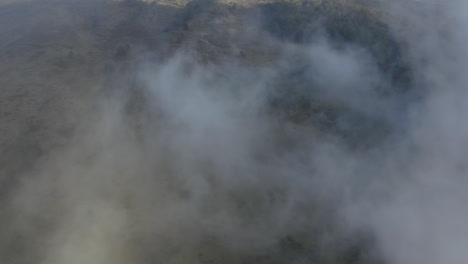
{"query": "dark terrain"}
pixel 63 62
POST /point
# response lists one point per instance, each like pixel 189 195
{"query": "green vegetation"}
pixel 345 22
pixel 62 62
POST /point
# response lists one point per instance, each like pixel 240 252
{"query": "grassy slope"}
pixel 61 48
pixel 62 53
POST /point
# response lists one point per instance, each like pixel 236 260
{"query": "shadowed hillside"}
pixel 187 131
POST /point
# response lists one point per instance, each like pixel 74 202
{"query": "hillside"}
pixel 250 86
